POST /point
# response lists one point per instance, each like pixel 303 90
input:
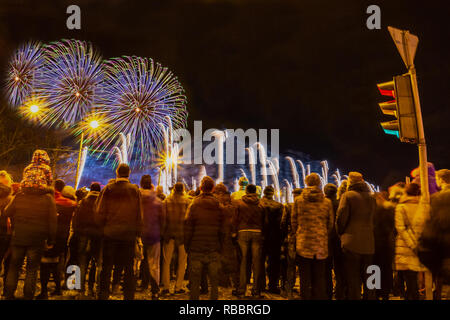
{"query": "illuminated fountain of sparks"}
pixel 274 174
pixel 263 163
pixel 124 150
pixel 83 158
pixel 220 137
pixel 252 163
pixel 294 172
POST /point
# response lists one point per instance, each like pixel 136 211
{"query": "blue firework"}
pixel 140 95
pixel 21 74
pixel 69 81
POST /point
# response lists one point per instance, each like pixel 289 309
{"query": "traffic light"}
pixel 401 106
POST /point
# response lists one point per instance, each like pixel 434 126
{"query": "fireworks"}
pixel 69 81
pixel 139 95
pixel 23 66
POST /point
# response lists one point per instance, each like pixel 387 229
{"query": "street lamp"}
pixel 92 125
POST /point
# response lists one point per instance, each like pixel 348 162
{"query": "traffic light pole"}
pixel 423 162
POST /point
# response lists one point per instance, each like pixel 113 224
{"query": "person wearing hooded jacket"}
pixel 434 243
pixel 334 260
pixel 174 212
pixel 354 225
pixel 313 222
pixel 203 238
pixel 89 237
pixel 409 226
pixel 249 224
pixel 152 216
pixel 33 215
pixel 229 260
pixel 119 213
pixel 289 261
pixel 272 241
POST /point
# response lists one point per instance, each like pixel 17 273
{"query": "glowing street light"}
pixel 90 126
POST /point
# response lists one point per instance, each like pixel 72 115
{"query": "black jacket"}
pixel 204 226
pixel 119 211
pixel 84 219
pixel 272 223
pixel 33 217
pixel 354 219
pixel 249 213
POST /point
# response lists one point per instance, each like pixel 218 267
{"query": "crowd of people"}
pixel 122 236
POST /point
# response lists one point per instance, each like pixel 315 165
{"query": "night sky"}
pixel 309 68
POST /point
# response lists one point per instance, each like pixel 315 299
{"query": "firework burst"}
pixel 69 81
pixel 22 70
pixel 139 95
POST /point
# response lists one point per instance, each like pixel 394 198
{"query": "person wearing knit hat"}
pixel 313 221
pixel 34 215
pixel 269 191
pixel 243 182
pixel 220 188
pixel 334 260
pixel 354 225
pixel 229 257
pixel 174 212
pixel 289 254
pixel 272 241
pixel 203 239
pixel 355 177
pixel 38 174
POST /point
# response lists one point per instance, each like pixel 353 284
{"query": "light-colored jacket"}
pixel 313 221
pixel 409 223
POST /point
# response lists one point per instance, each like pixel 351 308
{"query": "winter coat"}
pixel 384 230
pixel 152 215
pixel 334 243
pixel 84 218
pixel 38 173
pixel 65 208
pixel 33 217
pixel 5 199
pixel 250 215
pixel 354 219
pixel 409 226
pixel 313 221
pixel 434 244
pixel 273 216
pixel 174 212
pixel 229 212
pixel 119 211
pixel 203 231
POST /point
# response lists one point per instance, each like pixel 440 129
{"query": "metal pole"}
pixel 79 160
pixel 423 162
